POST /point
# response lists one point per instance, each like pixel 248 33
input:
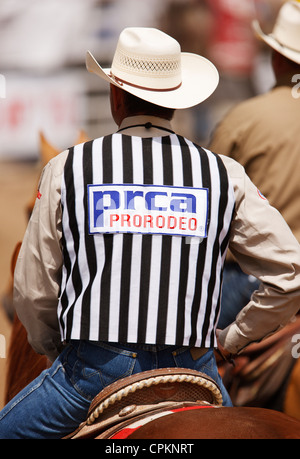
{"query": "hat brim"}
pixel 200 79
pixel 273 43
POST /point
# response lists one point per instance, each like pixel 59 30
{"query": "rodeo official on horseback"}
pixel 120 270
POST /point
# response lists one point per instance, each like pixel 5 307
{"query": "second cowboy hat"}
pixel 150 65
pixel 285 37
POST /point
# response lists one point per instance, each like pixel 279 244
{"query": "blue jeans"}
pixel 57 401
pixel 236 293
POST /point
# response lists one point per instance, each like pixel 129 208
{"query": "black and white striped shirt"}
pixel 145 288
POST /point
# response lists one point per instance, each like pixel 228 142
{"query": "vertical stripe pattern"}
pixel 155 289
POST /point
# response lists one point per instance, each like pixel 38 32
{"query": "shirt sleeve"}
pixel 37 274
pixel 265 247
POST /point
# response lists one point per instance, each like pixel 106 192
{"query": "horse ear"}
pixel 47 151
pixel 82 137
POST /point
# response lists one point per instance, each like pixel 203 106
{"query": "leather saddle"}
pixel 149 392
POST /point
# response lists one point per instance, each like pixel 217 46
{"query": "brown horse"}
pixel 222 423
pixel 218 423
pixel 292 396
pixel 24 364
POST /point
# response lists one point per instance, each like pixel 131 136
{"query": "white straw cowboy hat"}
pixel 285 37
pixel 150 65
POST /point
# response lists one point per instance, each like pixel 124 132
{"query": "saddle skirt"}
pixel 132 399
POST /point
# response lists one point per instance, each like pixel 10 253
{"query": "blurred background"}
pixel 44 86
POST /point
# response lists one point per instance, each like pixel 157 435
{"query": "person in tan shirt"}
pixel 263 135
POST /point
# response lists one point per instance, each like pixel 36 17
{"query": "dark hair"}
pixel 292 65
pixel 137 106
